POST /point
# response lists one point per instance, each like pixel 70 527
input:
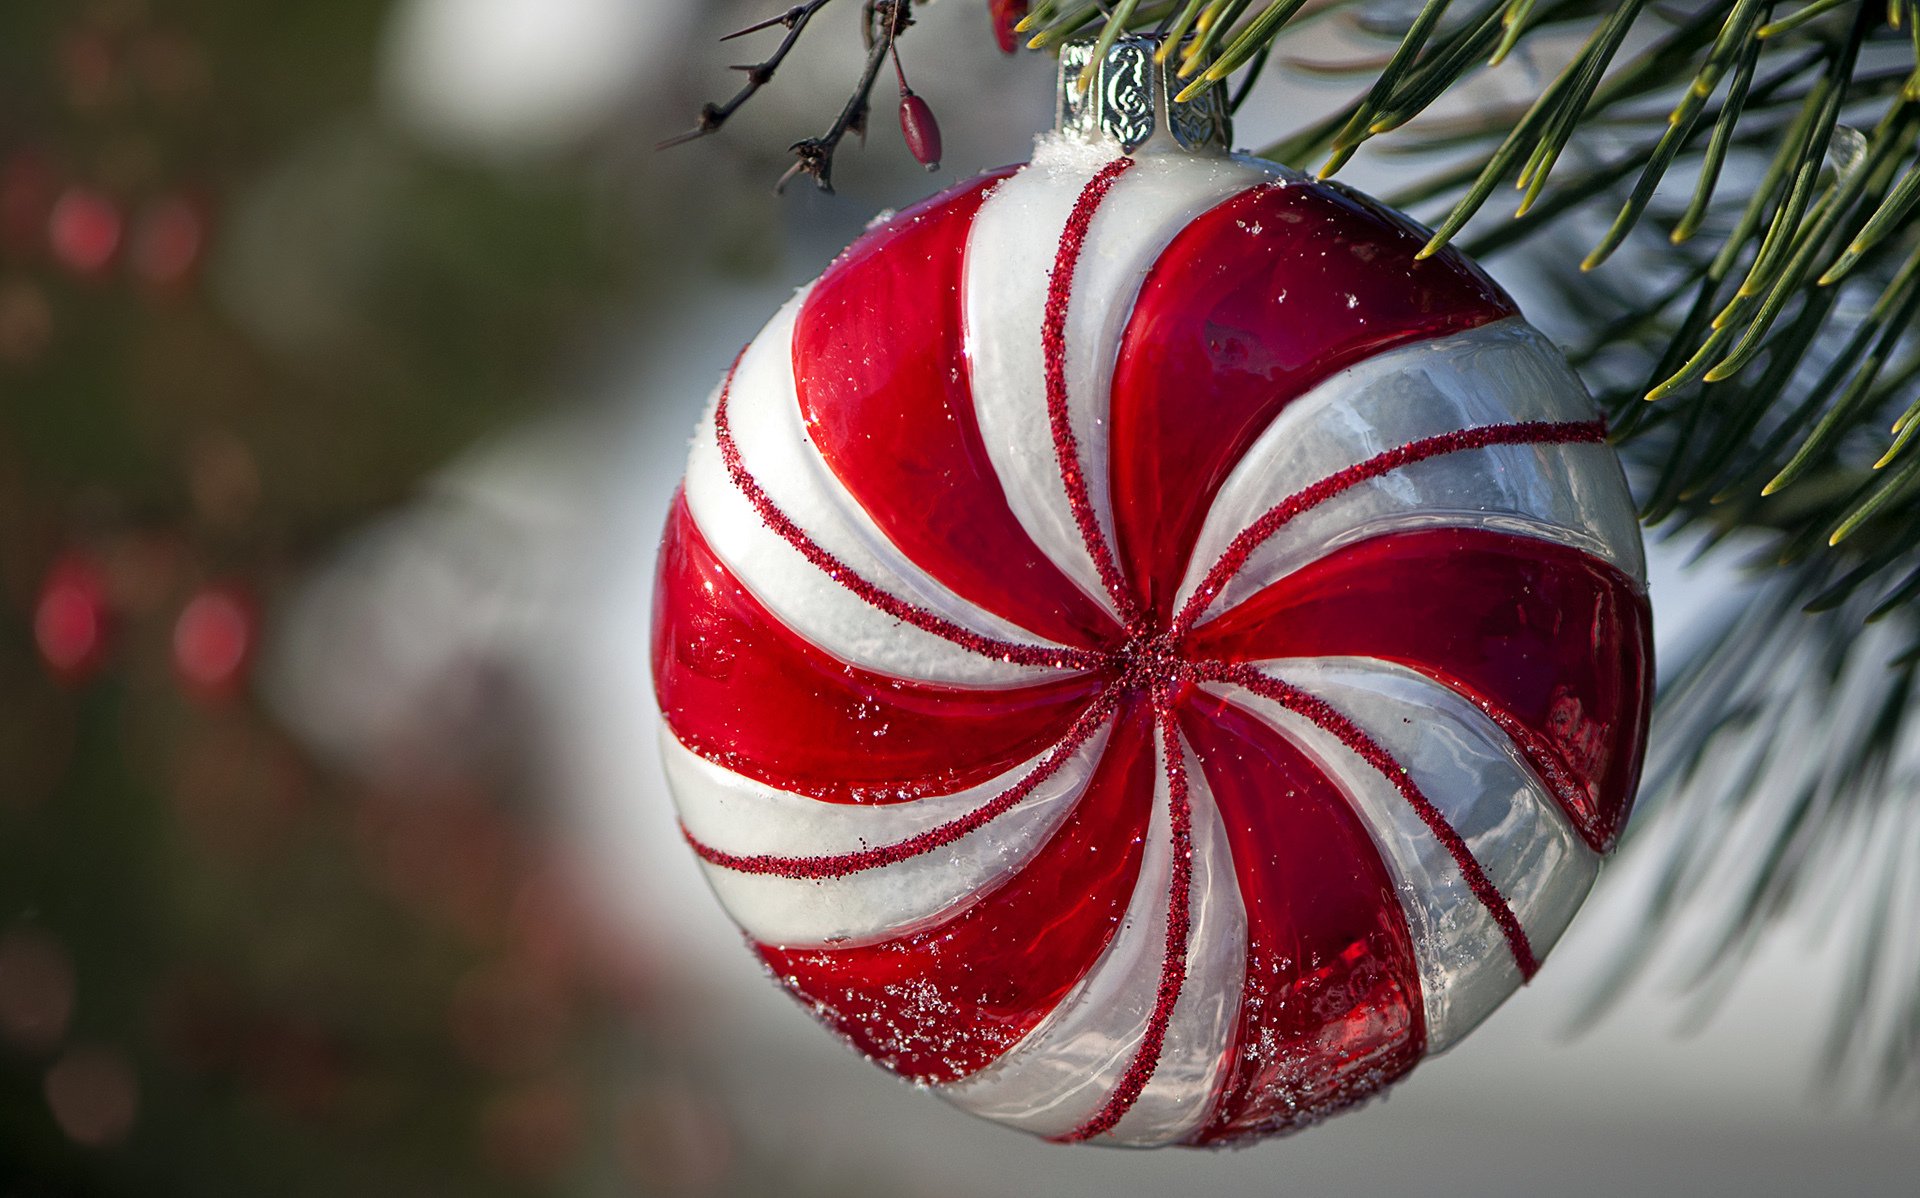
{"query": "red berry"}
pixel 70 621
pixel 921 130
pixel 1006 14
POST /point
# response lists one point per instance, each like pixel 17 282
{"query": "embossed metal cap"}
pixel 1131 100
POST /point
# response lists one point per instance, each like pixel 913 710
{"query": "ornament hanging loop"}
pixel 1132 101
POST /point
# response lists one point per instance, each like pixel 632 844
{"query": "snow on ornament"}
pixel 1142 654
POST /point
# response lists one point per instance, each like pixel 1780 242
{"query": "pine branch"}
pixel 1782 267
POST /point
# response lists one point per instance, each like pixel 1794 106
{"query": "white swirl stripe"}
pixel 1194 1058
pixel 764 414
pixel 740 816
pixel 1502 373
pixel 1006 299
pixel 1059 1074
pixel 1474 774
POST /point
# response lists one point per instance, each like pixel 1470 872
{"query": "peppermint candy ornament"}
pixel 1141 653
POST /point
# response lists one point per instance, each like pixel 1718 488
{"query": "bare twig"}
pixel 813 156
pixel 883 22
pixel 759 74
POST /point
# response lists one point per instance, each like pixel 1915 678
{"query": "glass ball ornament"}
pixel 1142 652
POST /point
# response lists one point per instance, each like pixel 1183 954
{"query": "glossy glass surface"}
pixel 1254 303
pixel 940 1004
pixel 1275 885
pixel 738 687
pixel 1553 643
pixel 1332 1002
pixel 879 363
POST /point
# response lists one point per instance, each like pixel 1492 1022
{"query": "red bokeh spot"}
pixel 70 621
pixel 213 642
pixel 83 230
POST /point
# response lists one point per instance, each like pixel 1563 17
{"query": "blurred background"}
pixel 348 352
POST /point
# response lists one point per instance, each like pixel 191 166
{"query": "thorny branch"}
pixel 883 21
pixel 814 155
pixel 759 74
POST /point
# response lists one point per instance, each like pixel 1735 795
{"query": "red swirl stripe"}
pixel 941 1002
pixel 783 526
pixel 840 865
pixel 885 387
pixel 1329 718
pixel 1549 641
pixel 1331 994
pixel 1529 432
pixel 1249 307
pixel 743 691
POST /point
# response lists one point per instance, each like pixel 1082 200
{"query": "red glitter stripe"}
pixel 1546 761
pixel 1173 969
pixel 1053 339
pixel 1531 432
pixel 1327 717
pixel 840 865
pixel 790 532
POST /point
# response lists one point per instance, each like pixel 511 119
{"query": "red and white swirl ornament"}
pixel 1144 655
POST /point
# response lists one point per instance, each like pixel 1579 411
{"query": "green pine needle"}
pixel 1109 34
pixel 1177 31
pixel 1257 36
pixel 1514 22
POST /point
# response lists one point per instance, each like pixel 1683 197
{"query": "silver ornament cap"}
pixel 1132 100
